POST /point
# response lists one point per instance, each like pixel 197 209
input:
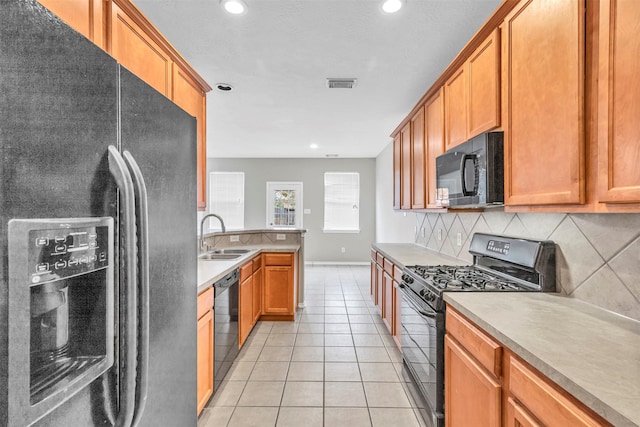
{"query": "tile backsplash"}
pixel 598 255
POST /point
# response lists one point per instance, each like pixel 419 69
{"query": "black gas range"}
pixel 500 264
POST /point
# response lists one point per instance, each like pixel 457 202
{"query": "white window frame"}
pixel 356 203
pixel 232 220
pixel 297 186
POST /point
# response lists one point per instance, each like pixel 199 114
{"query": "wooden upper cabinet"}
pixel 189 96
pixel 405 166
pixel 131 46
pixel 418 194
pixel 397 171
pixel 483 74
pixel 84 16
pixel 543 90
pixel 455 104
pixel 618 106
pixel 434 141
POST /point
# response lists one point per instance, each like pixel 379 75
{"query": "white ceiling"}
pixel 278 55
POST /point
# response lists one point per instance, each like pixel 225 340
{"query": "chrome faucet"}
pixel 202 245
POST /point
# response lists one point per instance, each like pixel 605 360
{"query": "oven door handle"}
pixel 463 170
pixel 412 302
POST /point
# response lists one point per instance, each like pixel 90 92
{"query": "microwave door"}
pixel 469 175
pixel 448 178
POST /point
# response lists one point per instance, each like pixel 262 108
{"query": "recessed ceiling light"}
pixel 314 146
pixel 234 7
pixel 331 155
pixel 391 6
pixel 224 87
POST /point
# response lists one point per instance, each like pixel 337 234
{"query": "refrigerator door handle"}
pixel 128 304
pixel 142 217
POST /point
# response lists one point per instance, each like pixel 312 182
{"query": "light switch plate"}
pixel 281 237
pixel 234 238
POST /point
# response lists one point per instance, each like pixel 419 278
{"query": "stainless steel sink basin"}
pixel 232 251
pixel 219 256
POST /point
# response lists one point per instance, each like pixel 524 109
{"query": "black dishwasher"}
pixel 225 306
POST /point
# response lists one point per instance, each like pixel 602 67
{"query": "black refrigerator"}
pixel 98 235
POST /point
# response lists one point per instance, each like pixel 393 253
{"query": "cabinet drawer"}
pixel 388 267
pixel 397 274
pixel 257 263
pixel 246 271
pixel 547 404
pixel 484 349
pixel 205 302
pixel 278 259
pixel 379 258
pixel 373 255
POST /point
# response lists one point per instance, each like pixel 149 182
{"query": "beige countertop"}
pixel 211 271
pixel 592 353
pixel 404 254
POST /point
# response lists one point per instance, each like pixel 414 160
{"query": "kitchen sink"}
pixel 231 251
pixel 219 256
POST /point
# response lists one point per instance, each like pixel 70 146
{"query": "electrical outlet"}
pixel 459 239
pixel 343 250
pixel 234 238
pixel 439 233
pixel 281 237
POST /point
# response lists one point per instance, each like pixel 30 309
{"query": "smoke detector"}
pixel 341 83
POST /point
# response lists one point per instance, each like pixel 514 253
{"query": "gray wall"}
pixel 598 254
pixel 319 246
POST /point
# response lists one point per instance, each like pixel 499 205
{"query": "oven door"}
pixel 423 352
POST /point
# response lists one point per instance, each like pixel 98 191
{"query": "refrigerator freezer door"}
pixel 162 139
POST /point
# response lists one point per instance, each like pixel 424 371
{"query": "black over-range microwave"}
pixel 472 174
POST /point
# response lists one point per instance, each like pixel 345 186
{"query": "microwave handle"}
pixel 463 168
pixel 128 304
pixel 142 227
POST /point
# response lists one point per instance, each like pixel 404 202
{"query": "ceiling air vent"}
pixel 341 83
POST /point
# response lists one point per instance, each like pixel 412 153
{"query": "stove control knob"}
pixel 430 297
pixel 407 279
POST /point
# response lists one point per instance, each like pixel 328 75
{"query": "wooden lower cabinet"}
pixel 245 309
pixel 204 344
pixel 278 294
pixel 517 416
pixel 379 289
pixel 257 294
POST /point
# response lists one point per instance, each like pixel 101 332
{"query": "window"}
pixel 284 205
pixel 341 202
pixel 226 198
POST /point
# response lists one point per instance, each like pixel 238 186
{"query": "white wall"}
pixel 319 246
pixel 391 226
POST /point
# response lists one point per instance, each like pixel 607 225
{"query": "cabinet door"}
pixel 278 290
pixel 405 191
pixel 397 171
pixel 543 87
pixel 379 291
pixel 373 281
pixel 188 95
pixel 517 416
pixel 257 295
pixel 618 106
pixel 396 326
pixel 387 310
pixel 418 194
pixel 455 104
pixel 245 309
pixel 472 396
pixel 434 135
pixel 205 359
pixel 84 16
pixel 138 52
pixel 483 74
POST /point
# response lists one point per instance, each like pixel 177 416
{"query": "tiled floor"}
pixel 336 365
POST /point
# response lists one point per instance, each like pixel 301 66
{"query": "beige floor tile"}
pixel 345 394
pixel 308 354
pixel 385 417
pixel 310 340
pixel 341 371
pixel 364 328
pixel 347 417
pixel 356 303
pixel 337 328
pixel 240 370
pixel 303 393
pixel 253 417
pixel 269 371
pixel 334 297
pixel 297 417
pixel 372 354
pixel 285 328
pixel 262 393
pixel 340 303
pixel 311 328
pixel 275 354
pixel 335 310
pixel 360 318
pixel 280 340
pixel 306 371
pixel 312 310
pixel 215 417
pixel 339 354
pixel 367 340
pixel 312 318
pixel 227 394
pixel 379 372
pixel 385 395
pixel 338 340
pixel 248 354
pixel 357 310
